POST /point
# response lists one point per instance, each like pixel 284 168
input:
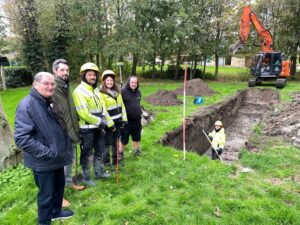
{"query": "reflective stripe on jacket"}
pixel 89 105
pixel 115 108
pixel 218 138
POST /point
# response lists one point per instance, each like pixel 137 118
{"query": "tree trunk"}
pixel 90 57
pixel 194 67
pixel 134 64
pixel 162 67
pixel 153 66
pixel 204 66
pixel 190 77
pixel 293 67
pixel 98 59
pixel 10 155
pixel 177 64
pixel 216 66
pixel 102 60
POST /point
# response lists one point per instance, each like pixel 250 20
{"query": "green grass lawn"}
pixel 162 188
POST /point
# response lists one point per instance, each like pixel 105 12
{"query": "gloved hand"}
pixel 103 123
pixel 123 124
pixel 219 151
pixel 113 128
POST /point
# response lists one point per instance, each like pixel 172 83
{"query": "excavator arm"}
pixel 264 34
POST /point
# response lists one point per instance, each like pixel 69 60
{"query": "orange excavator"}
pixel 269 64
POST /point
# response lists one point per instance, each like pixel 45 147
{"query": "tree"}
pixel 60 39
pixel 2 36
pixel 30 37
pixel 222 23
pixel 22 16
pixel 289 32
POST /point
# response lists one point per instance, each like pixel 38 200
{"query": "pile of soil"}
pixel 285 121
pixel 164 98
pixel 195 87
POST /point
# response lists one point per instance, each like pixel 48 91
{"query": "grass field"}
pixel 162 188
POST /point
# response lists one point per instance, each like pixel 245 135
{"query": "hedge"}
pixel 17 77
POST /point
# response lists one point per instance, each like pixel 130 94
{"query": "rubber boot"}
pixel 86 174
pixel 99 170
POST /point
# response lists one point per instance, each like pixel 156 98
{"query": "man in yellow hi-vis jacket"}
pixel 92 120
pixel 218 140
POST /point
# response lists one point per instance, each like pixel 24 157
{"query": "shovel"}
pixel 117 164
pixel 77 178
pixel 211 145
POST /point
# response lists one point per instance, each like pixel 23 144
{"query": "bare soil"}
pixel 284 121
pixel 256 103
pixel 238 113
pixel 195 87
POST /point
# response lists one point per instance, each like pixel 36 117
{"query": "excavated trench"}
pixel 239 113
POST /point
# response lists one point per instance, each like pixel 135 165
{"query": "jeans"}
pixel 50 195
pixel 68 168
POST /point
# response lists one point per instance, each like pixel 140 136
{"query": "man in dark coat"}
pixel 132 98
pixel 41 133
pixel 64 100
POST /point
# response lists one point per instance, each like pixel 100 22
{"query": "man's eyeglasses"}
pixel 47 84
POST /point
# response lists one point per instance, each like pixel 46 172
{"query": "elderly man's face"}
pixel 45 86
pixel 62 71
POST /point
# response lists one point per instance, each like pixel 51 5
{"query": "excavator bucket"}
pixel 233 48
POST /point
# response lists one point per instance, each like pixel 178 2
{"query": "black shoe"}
pixel 137 152
pixel 63 214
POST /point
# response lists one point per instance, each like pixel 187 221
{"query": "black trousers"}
pixel 111 139
pixel 51 186
pixel 93 150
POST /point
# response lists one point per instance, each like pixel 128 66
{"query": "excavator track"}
pixel 252 82
pixel 280 83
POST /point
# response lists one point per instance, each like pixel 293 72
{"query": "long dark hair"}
pixel 114 87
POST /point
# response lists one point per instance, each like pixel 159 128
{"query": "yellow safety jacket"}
pixel 89 106
pixel 218 138
pixel 115 107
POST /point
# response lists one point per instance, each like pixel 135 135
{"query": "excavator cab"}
pixel 267 66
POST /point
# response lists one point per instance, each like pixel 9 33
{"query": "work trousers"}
pixel 111 139
pixel 214 155
pixel 93 150
pixel 68 168
pixel 50 195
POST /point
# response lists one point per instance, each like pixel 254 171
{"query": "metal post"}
pixel 184 105
pixel 3 78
